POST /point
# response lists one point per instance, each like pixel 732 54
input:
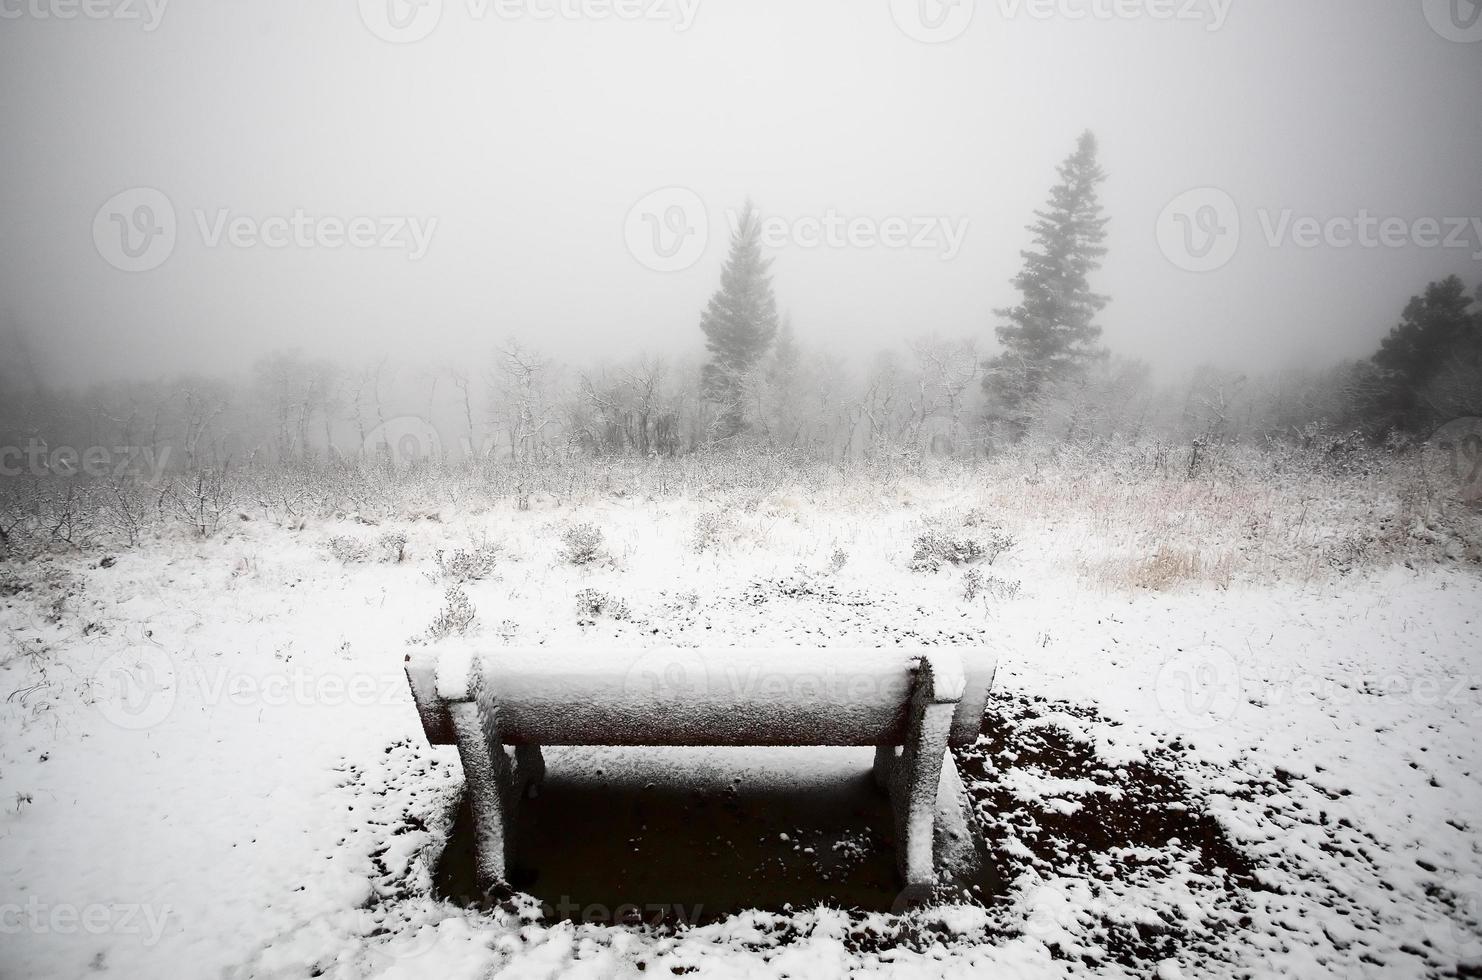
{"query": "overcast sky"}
pixel 527 150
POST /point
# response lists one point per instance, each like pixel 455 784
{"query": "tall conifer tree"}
pixel 1051 335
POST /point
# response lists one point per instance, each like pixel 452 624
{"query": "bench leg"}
pixel 912 780
pixel 529 771
pixel 885 757
pixel 496 783
pixel 485 773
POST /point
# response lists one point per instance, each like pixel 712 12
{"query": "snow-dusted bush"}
pixel 591 604
pixel 712 529
pixel 350 551
pixel 455 617
pixel 467 564
pixel 392 547
pixel 968 540
pixel 1349 552
pixel 975 583
pixel 838 560
pixel 972 584
pixel 200 501
pixel 582 543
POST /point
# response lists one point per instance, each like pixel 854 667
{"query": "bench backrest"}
pixel 713 697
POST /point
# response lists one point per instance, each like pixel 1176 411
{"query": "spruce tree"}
pixel 1051 335
pixel 739 324
pixel 1438 340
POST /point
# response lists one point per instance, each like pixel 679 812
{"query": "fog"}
pixel 520 136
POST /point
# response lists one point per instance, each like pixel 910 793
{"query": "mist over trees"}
pixel 760 385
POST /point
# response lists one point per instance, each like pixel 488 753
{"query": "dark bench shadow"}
pixel 668 836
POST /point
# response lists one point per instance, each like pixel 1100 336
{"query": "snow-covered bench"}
pixel 499 708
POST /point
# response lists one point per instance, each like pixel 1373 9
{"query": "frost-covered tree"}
pixel 1051 336
pixel 1429 369
pixel 739 324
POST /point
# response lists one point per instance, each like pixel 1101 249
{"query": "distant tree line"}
pixel 758 385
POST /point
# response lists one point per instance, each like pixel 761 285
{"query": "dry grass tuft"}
pixel 1166 569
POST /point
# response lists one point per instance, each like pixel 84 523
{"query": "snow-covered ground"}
pixel 1233 733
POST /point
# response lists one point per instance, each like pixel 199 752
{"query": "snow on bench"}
pixel 500 707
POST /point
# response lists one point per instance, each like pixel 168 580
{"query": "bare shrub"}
pixel 712 529
pixel 125 510
pixel 590 604
pixel 69 512
pixel 467 564
pixel 200 502
pixel 582 543
pixel 1001 588
pixel 1349 552
pixel 350 551
pixel 455 618
pixel 392 547
pixel 975 584
pixel 972 584
pixel 963 544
